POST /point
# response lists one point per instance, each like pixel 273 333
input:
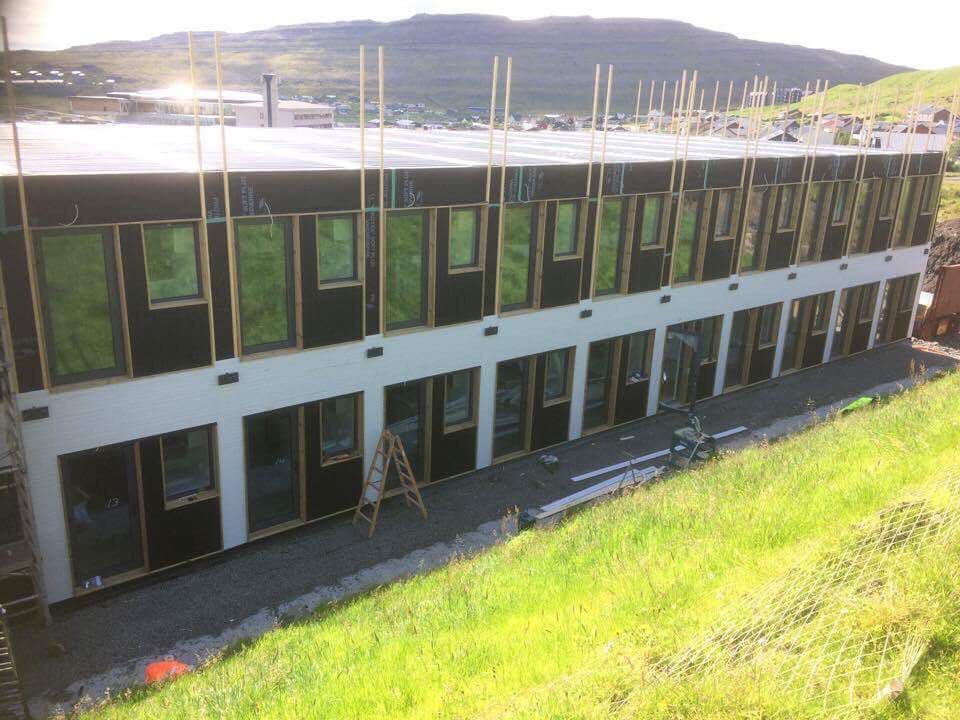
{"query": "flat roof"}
pixel 62 149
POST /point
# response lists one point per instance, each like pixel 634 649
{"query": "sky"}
pixel 925 39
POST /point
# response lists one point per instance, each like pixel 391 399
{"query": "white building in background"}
pixel 290 113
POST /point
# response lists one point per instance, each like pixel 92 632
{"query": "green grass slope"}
pixel 574 621
pixel 937 87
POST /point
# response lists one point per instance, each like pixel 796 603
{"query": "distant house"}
pixel 290 113
pixel 931 114
pixel 102 105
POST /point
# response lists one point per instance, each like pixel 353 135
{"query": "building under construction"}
pixel 208 330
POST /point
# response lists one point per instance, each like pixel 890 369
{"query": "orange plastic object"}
pixel 164 670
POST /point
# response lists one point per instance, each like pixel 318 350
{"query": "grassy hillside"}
pixel 445 60
pixel 581 621
pixel 937 87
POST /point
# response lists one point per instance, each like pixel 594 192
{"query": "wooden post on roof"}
pixel 381 196
pixel 503 180
pixel 603 159
pixel 806 178
pixel 636 114
pixel 593 128
pixel 493 121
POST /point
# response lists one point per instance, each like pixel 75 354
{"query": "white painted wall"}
pixel 124 411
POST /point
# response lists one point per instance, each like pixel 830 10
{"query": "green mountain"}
pixel 445 60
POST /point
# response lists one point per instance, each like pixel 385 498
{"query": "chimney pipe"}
pixel 269 84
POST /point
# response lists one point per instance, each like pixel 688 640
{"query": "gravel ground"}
pixel 215 595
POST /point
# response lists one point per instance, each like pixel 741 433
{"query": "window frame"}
pixel 534 250
pixel 426 316
pixel 209 493
pixel 776 309
pixel 889 196
pixel 478 234
pixel 358 263
pixel 791 220
pixel 290 254
pixel 866 199
pixel 841 191
pixel 649 338
pixel 472 397
pixel 698 247
pixel 734 195
pixel 357 430
pixel 567 394
pixel 201 295
pixel 110 245
pixel 577 252
pixel 827 304
pixel 870 290
pixel 662 227
pixel 761 240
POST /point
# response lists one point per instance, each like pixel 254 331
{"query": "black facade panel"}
pixel 587 267
pixel 220 289
pixel 779 249
pixel 860 338
pixel 764 171
pixel 761 364
pixel 279 193
pixel 833 240
pixel 19 305
pixel 640 178
pixel 708 372
pixel 112 198
pixel 459 296
pixel 790 170
pixel 646 268
pixel 695 175
pixel 329 488
pixel 813 350
pixel 717 259
pixel 631 399
pixel 427 187
pixel 181 533
pixel 724 173
pixel 330 315
pixel 163 339
pixel 828 168
pixel 882 230
pixel 558 181
pixel 490 264
pixel 371 297
pixel 551 423
pixel 921 230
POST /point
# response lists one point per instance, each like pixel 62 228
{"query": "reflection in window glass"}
pixel 599 372
pixel 263 259
pixel 868 301
pixel 788 195
pixel 458 404
pixel 273 485
pixel 464 236
pixel 891 193
pixel 336 249
pixel 792 338
pixel 555 375
pixel 511 407
pixel 840 203
pixel 338 428
pixel 650 227
pixel 171 256
pixel 750 254
pixel 928 203
pixel 516 266
pixel 186 463
pixel 821 312
pixel 568 225
pixel 725 213
pixel 737 351
pixel 79 304
pixel 638 367
pixel 768 324
pixel 906 214
pixel 861 222
pixel 684 266
pixel 406 269
pixel 610 248
pixel 812 223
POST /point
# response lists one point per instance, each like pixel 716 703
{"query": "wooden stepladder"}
pixel 389 450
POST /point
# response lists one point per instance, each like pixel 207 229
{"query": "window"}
pixel 868 301
pixel 928 202
pixel 264 258
pixel 903 231
pixel 610 247
pixel 909 292
pixel 725 204
pixel 638 357
pixel 821 313
pixel 567 229
pixel 769 322
pixel 599 375
pixel 187 464
pixel 840 204
pixel 516 267
pixel 510 409
pixel 464 238
pixel 338 429
pixel 788 202
pixel 891 193
pixel 80 304
pixel 684 254
pixel 750 253
pixel 458 399
pixel 555 376
pixel 813 223
pixel 406 269
pixel 10 527
pixel 273 478
pixel 861 223
pixel 336 249
pixel 650 222
pixel 172 259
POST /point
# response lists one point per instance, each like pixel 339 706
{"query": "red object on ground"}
pixel 943 315
pixel 164 670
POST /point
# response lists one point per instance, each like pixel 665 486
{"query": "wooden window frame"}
pixel 357 429
pixel 429 273
pixel 526 414
pixel 474 386
pixel 207 494
pixel 841 190
pixel 537 211
pixel 662 227
pixel 623 261
pixel 763 233
pixel 794 190
pixel 113 271
pixel 567 394
pixel 358 259
pixel 613 385
pixel 777 310
pixel 699 238
pixel 580 229
pixel 201 297
pixel 478 236
pixel 647 356
pixel 735 196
